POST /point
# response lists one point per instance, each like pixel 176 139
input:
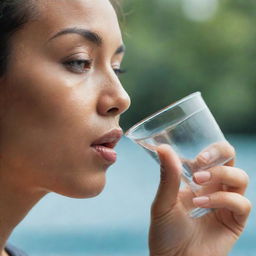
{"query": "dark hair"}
pixel 13 15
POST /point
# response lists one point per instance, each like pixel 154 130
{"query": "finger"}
pixel 169 181
pixel 217 153
pixel 236 203
pixel 235 179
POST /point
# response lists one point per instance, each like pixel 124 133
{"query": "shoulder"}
pixel 13 251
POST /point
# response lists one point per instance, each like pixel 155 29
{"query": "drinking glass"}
pixel 189 128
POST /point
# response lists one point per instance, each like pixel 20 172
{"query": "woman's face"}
pixel 61 95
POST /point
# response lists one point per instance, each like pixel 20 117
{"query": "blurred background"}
pixel 174 48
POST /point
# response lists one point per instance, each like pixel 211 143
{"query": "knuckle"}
pixel 244 203
pixel 232 198
pixel 224 174
pixel 229 149
pixel 244 178
pixel 232 150
pixel 248 205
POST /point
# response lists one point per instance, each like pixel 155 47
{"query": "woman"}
pixel 61 100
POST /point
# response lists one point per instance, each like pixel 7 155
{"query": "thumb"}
pixel 168 189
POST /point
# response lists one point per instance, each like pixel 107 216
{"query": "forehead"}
pixel 95 15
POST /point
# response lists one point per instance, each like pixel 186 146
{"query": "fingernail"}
pixel 206 156
pixel 202 176
pixel 210 155
pixel 201 201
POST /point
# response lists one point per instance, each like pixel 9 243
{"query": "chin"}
pixel 83 188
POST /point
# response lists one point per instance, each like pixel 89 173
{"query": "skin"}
pixel 55 112
pixel 51 113
pixel 173 231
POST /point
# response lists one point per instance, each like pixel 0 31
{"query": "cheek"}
pixel 42 99
pixel 48 126
pixel 48 95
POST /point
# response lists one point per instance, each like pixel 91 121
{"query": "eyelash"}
pixel 119 71
pixel 75 65
pixel 72 65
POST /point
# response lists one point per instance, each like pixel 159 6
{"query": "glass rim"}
pixel 167 108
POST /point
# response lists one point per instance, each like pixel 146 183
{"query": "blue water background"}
pixel 116 222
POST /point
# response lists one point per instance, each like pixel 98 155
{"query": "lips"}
pixel 104 146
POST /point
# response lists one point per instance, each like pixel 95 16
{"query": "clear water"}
pixel 116 222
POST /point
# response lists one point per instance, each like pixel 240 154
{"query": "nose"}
pixel 113 99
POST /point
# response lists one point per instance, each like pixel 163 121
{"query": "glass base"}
pixel 199 212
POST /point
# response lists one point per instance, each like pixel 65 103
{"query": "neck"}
pixel 15 203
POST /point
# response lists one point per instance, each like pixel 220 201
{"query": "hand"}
pixel 173 232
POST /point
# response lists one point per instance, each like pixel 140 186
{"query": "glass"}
pixel 189 127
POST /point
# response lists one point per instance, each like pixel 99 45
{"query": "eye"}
pixel 79 65
pixel 119 71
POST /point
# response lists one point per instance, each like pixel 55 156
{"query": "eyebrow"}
pixel 87 34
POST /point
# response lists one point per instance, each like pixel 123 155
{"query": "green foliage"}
pixel 170 56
